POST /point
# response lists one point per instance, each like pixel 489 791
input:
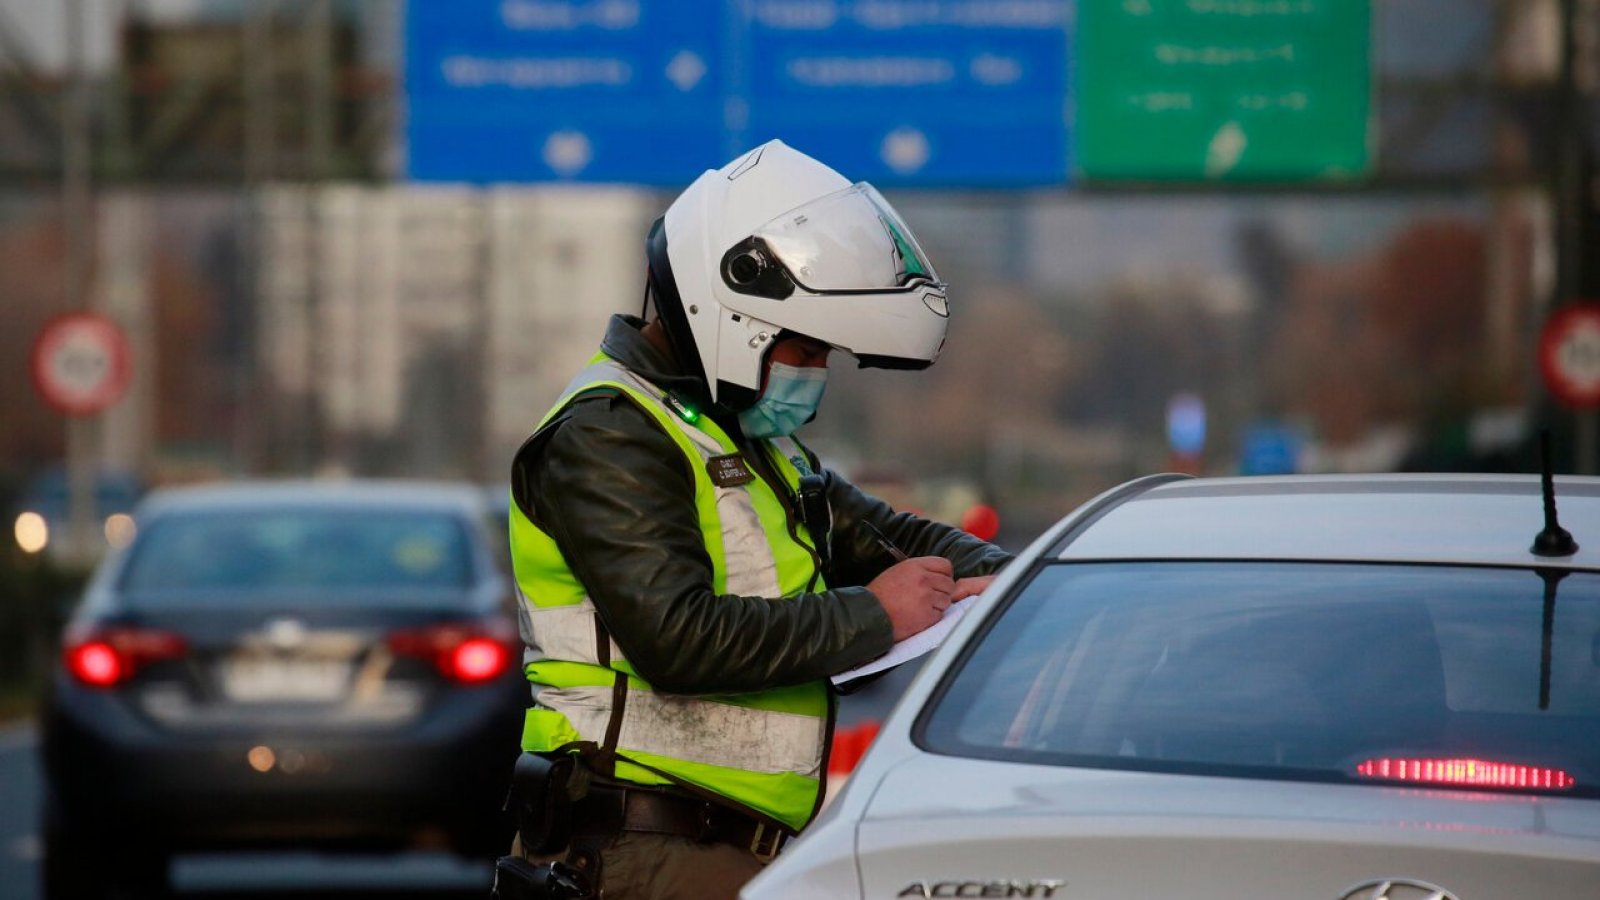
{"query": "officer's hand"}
pixel 971 587
pixel 915 593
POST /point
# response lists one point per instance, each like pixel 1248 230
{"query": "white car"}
pixel 1331 688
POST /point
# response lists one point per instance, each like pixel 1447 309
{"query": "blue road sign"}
pixel 900 92
pixel 538 90
pixel 1270 448
pixel 913 92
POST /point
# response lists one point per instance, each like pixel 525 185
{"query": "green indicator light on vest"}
pixel 684 411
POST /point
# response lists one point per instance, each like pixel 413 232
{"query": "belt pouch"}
pixel 543 791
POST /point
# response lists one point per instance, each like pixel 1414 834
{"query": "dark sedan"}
pixel 326 665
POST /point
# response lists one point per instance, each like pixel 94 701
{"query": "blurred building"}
pixel 426 329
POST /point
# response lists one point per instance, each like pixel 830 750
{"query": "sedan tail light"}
pixel 466 653
pixel 109 657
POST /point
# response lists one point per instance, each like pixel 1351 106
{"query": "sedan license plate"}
pixel 266 680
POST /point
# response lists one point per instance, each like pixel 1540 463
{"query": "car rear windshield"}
pixel 1288 670
pixel 299 548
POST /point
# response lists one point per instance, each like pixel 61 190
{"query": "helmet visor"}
pixel 850 241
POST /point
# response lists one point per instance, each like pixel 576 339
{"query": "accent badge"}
pixel 1041 888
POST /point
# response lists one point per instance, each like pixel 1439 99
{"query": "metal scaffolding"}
pixel 281 94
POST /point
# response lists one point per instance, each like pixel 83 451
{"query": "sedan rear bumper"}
pixel 441 777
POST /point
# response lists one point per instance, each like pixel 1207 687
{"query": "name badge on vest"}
pixel 729 471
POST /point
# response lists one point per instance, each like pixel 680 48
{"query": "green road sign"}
pixel 1204 90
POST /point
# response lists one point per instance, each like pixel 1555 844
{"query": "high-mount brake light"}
pixel 108 658
pixel 1466 773
pixel 464 653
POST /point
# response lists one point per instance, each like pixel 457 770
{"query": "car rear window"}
pixel 299 548
pixel 1284 670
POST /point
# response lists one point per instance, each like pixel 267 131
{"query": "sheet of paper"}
pixel 912 647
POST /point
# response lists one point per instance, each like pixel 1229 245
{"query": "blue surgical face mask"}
pixel 790 400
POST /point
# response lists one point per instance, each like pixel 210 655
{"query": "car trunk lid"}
pixel 286 658
pixel 1007 830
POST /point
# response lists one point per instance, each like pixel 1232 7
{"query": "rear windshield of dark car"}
pixel 1287 670
pixel 299 548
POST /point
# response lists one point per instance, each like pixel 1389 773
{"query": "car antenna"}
pixel 1553 540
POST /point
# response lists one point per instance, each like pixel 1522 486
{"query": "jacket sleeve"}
pixel 858 556
pixel 616 494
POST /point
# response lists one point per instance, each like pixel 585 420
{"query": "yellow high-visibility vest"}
pixel 761 750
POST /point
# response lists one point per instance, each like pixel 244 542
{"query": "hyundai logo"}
pixel 1397 889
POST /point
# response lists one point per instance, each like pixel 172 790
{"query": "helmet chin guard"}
pixel 773 242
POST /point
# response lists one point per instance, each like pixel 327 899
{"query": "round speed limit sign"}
pixel 81 363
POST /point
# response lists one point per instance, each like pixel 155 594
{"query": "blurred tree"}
pixel 1396 337
pixel 1428 298
pixel 30 293
pixel 1011 364
pixel 35 593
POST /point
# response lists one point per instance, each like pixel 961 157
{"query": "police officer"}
pixel 690 576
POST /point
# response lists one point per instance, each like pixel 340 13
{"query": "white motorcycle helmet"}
pixel 778 242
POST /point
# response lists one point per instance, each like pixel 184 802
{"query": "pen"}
pixel 887 545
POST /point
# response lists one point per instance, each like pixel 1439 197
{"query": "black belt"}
pixel 609 809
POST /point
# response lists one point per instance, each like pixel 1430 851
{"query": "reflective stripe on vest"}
pixel 764 749
pixel 755 740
